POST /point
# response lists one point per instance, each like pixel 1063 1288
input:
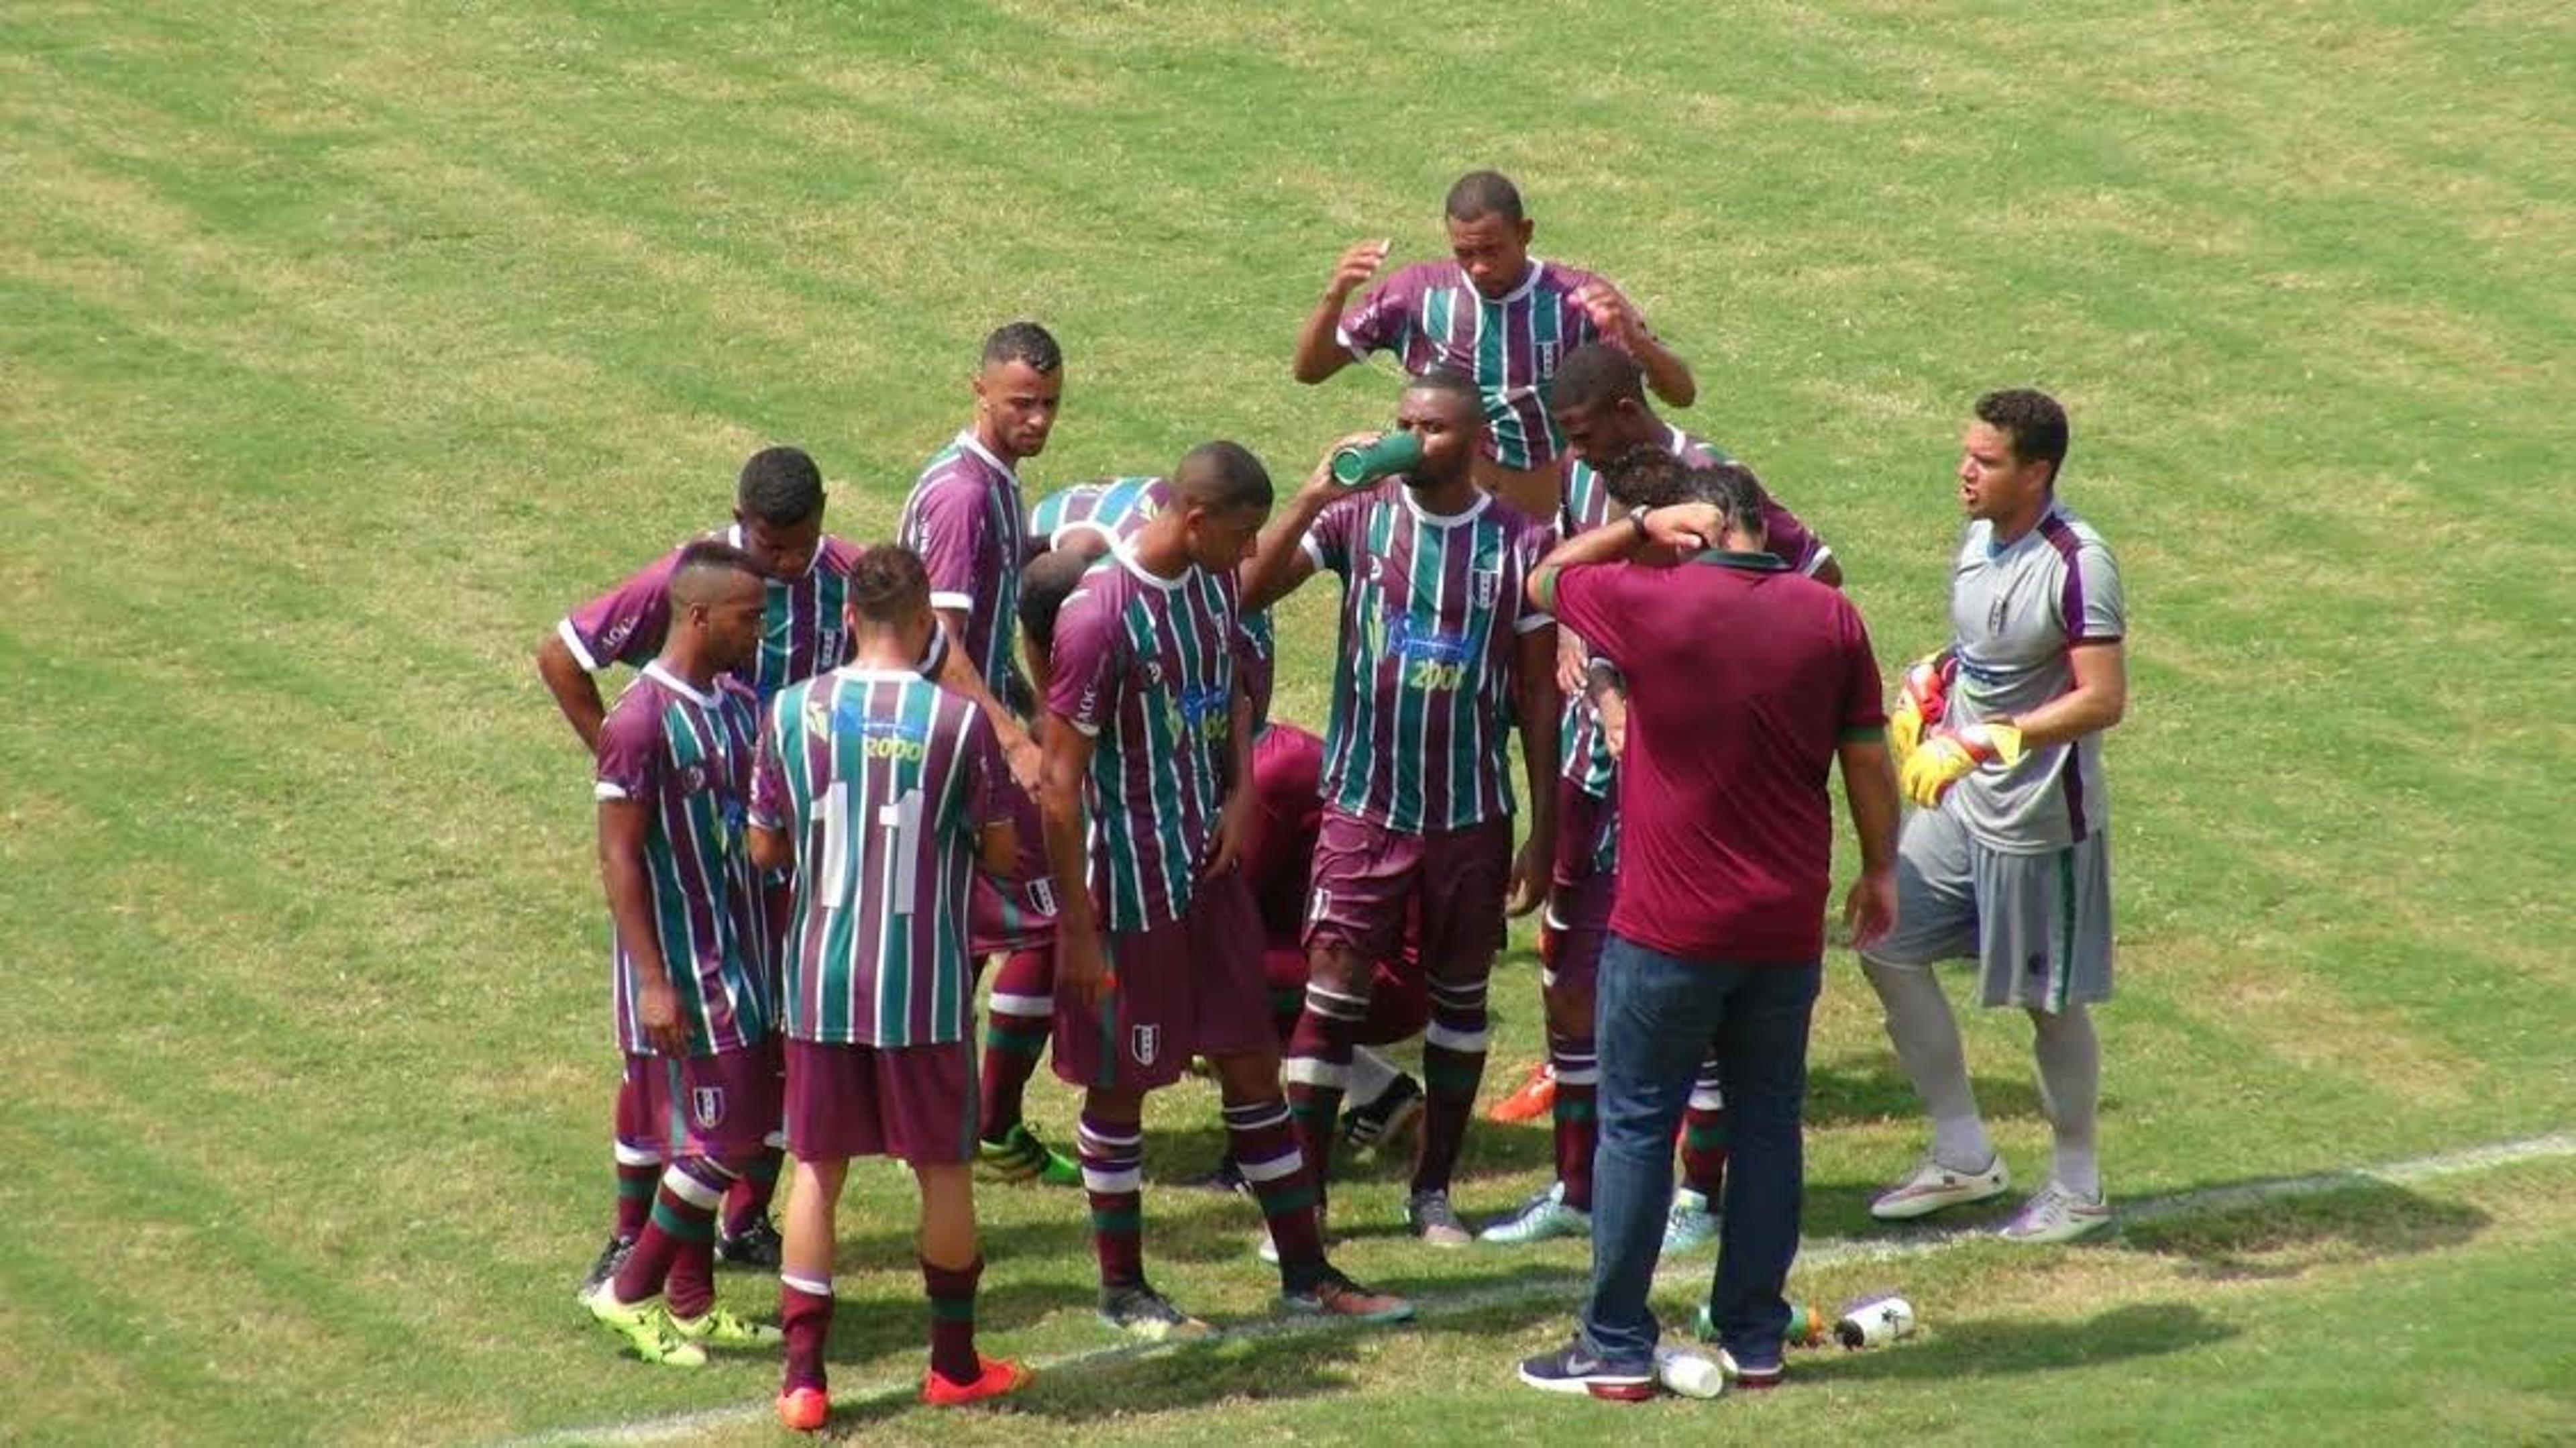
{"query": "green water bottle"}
pixel 1356 465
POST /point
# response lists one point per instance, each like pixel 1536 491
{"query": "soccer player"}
pixel 967 519
pixel 883 793
pixel 692 948
pixel 1494 314
pixel 778 524
pixel 1440 652
pixel 1148 758
pixel 1599 402
pixel 2007 859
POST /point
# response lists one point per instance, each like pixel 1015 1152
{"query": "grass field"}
pixel 342 347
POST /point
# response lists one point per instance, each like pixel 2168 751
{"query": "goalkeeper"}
pixel 1998 742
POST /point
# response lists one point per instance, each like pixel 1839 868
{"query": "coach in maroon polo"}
pixel 1746 683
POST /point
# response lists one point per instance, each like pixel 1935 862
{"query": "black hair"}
pixel 1222 477
pixel 888 584
pixel 1596 374
pixel 690 582
pixel 780 486
pixel 1023 341
pixel 1484 193
pixel 1732 489
pixel 1045 584
pixel 1450 381
pixel 2034 422
pixel 1646 476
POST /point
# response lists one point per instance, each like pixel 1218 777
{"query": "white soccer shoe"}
pixel 2057 1215
pixel 1934 1186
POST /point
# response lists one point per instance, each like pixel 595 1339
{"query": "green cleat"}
pixel 724 1328
pixel 647 1328
pixel 1022 1156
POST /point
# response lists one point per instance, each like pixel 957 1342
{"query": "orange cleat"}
pixel 803 1409
pixel 999 1376
pixel 1534 1100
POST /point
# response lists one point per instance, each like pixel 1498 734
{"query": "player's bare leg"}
pixel 805 1290
pixel 951 1267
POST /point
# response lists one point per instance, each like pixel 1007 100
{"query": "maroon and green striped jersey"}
pixel 966 519
pixel 1146 666
pixel 1432 610
pixel 883 781
pixel 802 631
pixel 685 755
pixel 1430 315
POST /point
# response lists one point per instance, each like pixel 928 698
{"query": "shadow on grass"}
pixel 1993 1349
pixel 1837 1096
pixel 2336 1218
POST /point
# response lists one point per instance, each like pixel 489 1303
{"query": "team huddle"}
pixel 1036 736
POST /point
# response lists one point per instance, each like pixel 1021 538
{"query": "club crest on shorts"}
pixel 1042 896
pixel 1489 586
pixel 1146 1042
pixel 706 1106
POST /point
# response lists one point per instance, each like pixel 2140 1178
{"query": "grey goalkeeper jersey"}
pixel 2015 612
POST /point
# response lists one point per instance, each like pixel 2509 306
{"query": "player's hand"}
pixel 1922 697
pixel 1951 755
pixel 657 1010
pixel 1357 265
pixel 1026 762
pixel 1612 315
pixel 1234 826
pixel 1573 661
pixel 1613 707
pixel 1533 871
pixel 1685 528
pixel 1870 909
pixel 1320 482
pixel 1082 967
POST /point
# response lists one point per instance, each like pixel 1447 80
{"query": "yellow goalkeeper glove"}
pixel 1951 755
pixel 1922 696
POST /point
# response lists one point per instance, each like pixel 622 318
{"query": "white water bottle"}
pixel 1687 1373
pixel 1875 1322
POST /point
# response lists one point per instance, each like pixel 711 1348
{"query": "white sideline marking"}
pixel 1830 1252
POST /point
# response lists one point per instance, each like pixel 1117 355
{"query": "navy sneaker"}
pixel 1573 1369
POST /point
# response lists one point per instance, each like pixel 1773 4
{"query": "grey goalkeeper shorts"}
pixel 2039 926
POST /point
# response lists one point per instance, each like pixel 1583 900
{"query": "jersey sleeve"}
pixel 1383 321
pixel 630 749
pixel 1864 712
pixel 1789 539
pixel 2089 603
pixel 986 795
pixel 624 625
pixel 947 530
pixel 1329 541
pixel 1090 651
pixel 770 804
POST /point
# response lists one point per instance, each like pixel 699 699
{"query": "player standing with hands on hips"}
pixel 1717 933
pixel 2006 860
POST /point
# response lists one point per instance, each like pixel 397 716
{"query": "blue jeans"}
pixel 1654 1018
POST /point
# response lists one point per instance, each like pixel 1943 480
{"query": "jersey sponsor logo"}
pixel 615 638
pixel 1146 1042
pixel 1406 641
pixel 707 1106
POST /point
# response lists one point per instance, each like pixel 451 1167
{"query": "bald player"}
pixel 1494 314
pixel 1147 799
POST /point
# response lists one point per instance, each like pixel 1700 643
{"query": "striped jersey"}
pixel 964 517
pixel 1146 665
pixel 883 781
pixel 1113 511
pixel 1430 315
pixel 685 755
pixel 1432 607
pixel 2016 614
pixel 802 631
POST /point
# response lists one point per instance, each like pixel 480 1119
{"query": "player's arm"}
pixel 1239 814
pixel 1828 571
pixel 771 849
pixel 624 825
pixel 2098 701
pixel 1281 562
pixel 575 691
pixel 1082 965
pixel 1644 534
pixel 1320 352
pixel 1534 680
pixel 1869 789
pixel 1617 319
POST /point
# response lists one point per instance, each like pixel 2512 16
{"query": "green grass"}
pixel 345 346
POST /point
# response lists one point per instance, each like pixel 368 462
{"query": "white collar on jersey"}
pixel 975 445
pixel 874 675
pixel 680 686
pixel 1127 559
pixel 1528 280
pixel 733 535
pixel 1679 442
pixel 1483 501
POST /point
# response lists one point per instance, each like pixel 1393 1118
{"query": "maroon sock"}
pixel 952 1319
pixel 1453 1066
pixel 1318 1064
pixel 1704 1137
pixel 747 1201
pixel 1015 1036
pixel 1265 1151
pixel 638 1153
pixel 1113 1173
pixel 675 1256
pixel 805 1316
pixel 1578 1126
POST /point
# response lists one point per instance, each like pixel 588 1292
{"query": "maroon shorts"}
pixel 1191 987
pixel 724 1105
pixel 913 1103
pixel 1368 879
pixel 1019 913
